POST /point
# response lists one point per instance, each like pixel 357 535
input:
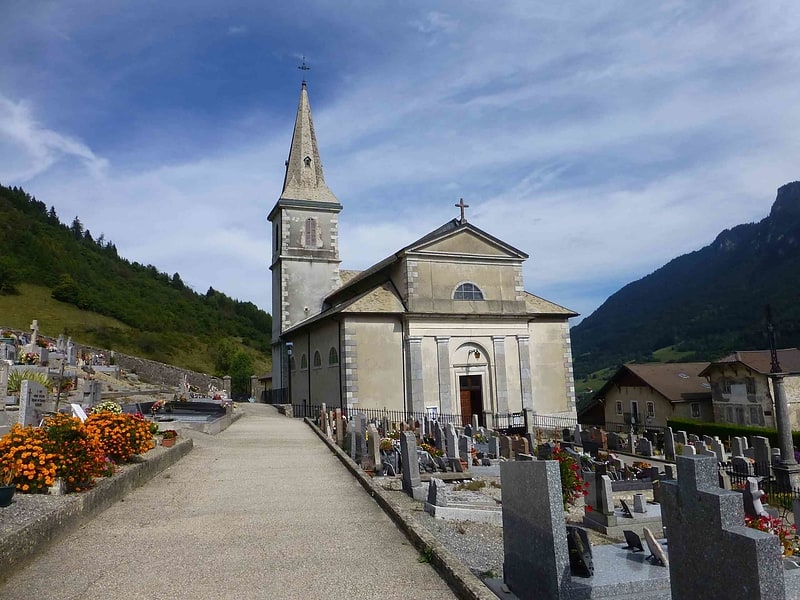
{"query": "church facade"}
pixel 443 325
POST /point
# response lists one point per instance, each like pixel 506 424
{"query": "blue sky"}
pixel 603 138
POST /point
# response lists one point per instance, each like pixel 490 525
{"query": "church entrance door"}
pixel 471 393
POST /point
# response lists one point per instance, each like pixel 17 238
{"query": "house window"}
pixel 695 410
pixel 756 415
pixel 317 360
pixel 619 407
pixel 310 233
pixel 729 414
pixel 303 363
pixel 333 357
pixel 726 385
pixel 751 385
pixel 468 291
pixel 651 409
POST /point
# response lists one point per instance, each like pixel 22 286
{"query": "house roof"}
pixel 677 382
pixel 760 361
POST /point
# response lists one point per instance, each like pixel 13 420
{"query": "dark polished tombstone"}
pixel 580 552
pixel 633 540
pixel 626 509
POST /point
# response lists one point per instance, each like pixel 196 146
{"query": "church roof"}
pixel 346 275
pixel 304 179
pixel 540 306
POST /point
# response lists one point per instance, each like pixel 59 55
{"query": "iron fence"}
pixel 778 493
pixel 553 422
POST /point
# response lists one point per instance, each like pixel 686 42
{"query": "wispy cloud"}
pixel 237 30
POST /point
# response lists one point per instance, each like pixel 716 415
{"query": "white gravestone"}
pixel 33 403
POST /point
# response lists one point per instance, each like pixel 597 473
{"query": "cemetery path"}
pixel 262 510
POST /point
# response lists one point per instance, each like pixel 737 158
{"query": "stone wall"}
pixel 152 371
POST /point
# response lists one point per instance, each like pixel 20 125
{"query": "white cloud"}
pixel 28 148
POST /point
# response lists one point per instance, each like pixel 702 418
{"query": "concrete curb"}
pixel 20 545
pixel 454 572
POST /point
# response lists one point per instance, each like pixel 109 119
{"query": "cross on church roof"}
pixel 462 206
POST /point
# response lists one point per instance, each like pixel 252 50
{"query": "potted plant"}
pixel 168 438
pixel 7 487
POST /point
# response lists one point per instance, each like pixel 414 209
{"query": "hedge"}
pixel 728 430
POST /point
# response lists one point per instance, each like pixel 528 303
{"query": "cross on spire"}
pixel 304 67
pixel 462 206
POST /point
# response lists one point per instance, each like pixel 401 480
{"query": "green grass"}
pixel 86 327
pixel 670 354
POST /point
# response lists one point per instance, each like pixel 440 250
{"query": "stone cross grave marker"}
pixel 706 527
pixel 33 403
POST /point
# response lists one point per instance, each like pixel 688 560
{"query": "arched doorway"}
pixel 471 370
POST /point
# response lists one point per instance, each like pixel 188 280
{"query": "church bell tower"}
pixel 305 240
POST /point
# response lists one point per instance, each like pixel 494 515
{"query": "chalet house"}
pixel 648 395
pixel 742 391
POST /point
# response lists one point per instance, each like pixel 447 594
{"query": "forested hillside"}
pixel 163 315
pixel 706 303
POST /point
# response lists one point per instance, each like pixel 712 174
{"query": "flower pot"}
pixel 6 494
pixel 168 442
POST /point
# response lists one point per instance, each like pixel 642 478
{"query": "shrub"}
pixel 79 454
pixel 572 485
pixel 726 430
pixel 25 450
pixel 121 436
pixel 107 406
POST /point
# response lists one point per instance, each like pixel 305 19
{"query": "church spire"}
pixel 304 179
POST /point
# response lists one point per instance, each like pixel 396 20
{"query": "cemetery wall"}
pixel 152 371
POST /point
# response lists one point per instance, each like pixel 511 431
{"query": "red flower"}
pixel 589 508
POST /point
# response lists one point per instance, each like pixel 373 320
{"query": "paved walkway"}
pixel 262 510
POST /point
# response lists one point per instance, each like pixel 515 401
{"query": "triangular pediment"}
pixel 467 241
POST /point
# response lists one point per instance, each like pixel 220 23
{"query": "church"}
pixel 442 326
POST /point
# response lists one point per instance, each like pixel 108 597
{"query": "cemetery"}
pixel 631 523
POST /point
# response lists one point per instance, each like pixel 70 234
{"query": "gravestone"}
pixel 437 492
pixel 681 438
pixel 360 428
pixel 707 439
pixel 599 499
pixel 737 448
pixel 580 552
pixel 385 426
pixel 520 446
pixel 639 503
pixel 536 563
pixel 474 423
pixel 762 454
pixel 44 356
pixel 742 465
pixel 438 437
pixel 451 441
pixel 705 526
pixel 669 472
pixel 630 443
pixel 644 447
pixel 719 450
pixel 4 369
pixel 72 353
pixel 374 443
pixel 412 483
pixel 33 403
pixel 506 447
pixel 494 446
pixel 468 430
pixel 751 497
pixel 323 419
pixel 626 510
pixel 351 430
pixel 669 444
pixel 693 438
pixel 340 428
pixel 465 448
pixel 657 554
pixel 576 435
pixel 524 457
pixel 612 440
pixel 633 540
pixel 724 480
pixel 688 450
pixel 92 392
